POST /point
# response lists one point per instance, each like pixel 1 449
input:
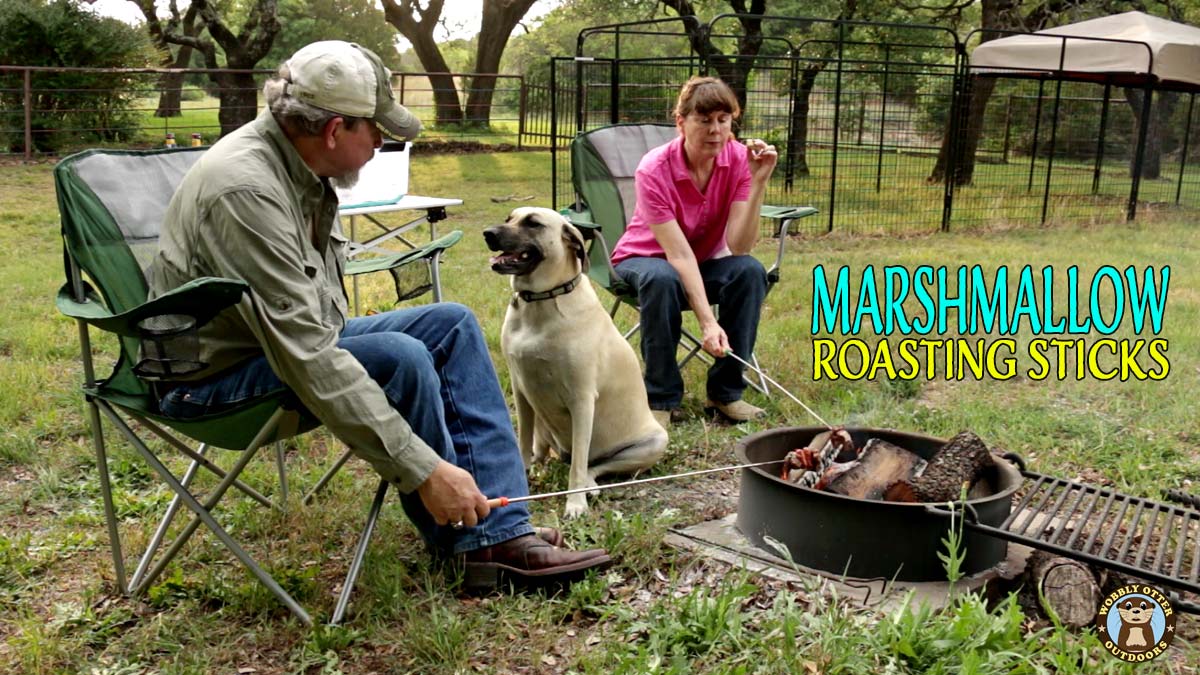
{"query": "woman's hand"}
pixel 714 340
pixel 762 157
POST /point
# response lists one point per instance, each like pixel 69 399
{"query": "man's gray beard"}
pixel 346 180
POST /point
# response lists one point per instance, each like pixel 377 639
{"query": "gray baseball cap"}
pixel 349 79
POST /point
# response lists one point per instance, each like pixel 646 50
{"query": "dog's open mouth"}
pixel 516 262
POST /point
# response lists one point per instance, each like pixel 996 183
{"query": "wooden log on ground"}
pixel 880 464
pixel 961 461
pixel 1068 588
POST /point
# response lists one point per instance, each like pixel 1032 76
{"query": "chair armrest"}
pixel 200 299
pixel 783 216
pixel 394 260
pixel 583 221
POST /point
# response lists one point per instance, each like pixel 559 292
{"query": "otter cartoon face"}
pixel 1136 611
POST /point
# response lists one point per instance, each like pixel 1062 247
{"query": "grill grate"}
pixel 1147 539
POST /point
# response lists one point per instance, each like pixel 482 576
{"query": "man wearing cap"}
pixel 412 391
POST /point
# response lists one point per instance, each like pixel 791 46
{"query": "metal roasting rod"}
pixel 505 501
pixel 778 386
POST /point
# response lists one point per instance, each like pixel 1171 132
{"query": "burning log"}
pixel 880 465
pixel 962 460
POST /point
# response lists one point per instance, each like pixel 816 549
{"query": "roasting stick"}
pixel 505 501
pixel 779 387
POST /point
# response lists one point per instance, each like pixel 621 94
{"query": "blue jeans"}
pixel 433 364
pixel 736 284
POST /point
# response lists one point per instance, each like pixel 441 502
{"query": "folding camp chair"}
pixel 111 205
pixel 603 164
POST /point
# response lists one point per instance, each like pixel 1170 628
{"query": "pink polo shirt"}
pixel 665 192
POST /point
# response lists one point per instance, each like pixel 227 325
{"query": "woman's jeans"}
pixel 736 284
pixel 452 401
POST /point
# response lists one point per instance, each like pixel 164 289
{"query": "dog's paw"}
pixel 592 486
pixel 576 506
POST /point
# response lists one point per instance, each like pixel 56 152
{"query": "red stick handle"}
pixel 497 502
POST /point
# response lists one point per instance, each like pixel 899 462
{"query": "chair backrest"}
pixel 111 205
pixel 603 164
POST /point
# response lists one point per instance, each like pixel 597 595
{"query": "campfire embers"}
pixel 885 471
pixel 848 528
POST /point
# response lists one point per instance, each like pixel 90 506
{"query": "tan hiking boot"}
pixel 735 411
pixel 663 417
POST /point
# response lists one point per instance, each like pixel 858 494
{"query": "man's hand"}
pixel 450 495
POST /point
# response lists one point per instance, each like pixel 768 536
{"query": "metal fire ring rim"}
pixel 1004 465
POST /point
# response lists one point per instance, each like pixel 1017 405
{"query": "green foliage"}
pixel 78 105
pixel 954 555
pixel 305 21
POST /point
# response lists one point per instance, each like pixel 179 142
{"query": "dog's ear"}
pixel 573 240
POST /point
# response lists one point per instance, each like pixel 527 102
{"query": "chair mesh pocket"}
pixel 412 280
pixel 170 347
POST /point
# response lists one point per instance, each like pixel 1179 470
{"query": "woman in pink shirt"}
pixel 688 246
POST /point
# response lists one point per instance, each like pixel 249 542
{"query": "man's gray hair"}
pixel 294 115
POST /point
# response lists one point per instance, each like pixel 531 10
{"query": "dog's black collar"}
pixel 562 289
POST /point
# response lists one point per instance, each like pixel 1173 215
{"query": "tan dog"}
pixel 577 383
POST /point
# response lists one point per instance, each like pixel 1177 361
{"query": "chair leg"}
pixel 204 461
pixel 110 514
pixel 161 532
pixel 326 478
pixel 695 351
pixel 283 481
pixel 759 383
pixel 360 552
pixel 204 516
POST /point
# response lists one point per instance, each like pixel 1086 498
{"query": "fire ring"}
pixel 860 537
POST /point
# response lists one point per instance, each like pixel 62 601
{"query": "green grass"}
pixel 659 610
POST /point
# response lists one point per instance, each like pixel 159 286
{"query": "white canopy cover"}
pixel 1173 54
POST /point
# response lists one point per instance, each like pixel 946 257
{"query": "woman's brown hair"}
pixel 706 95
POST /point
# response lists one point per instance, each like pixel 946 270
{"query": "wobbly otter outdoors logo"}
pixel 1136 623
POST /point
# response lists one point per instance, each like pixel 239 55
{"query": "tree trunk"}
pixel 419 31
pixel 797 147
pixel 447 108
pixel 237 92
pixel 1162 105
pixel 995 15
pixel 171 86
pixel 499 19
pixel 970 130
pixel 734 70
pixel 239 100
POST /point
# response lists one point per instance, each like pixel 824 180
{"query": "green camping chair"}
pixel 111 205
pixel 603 164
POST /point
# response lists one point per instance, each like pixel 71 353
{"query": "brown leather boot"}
pixel 528 561
pixel 549 535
